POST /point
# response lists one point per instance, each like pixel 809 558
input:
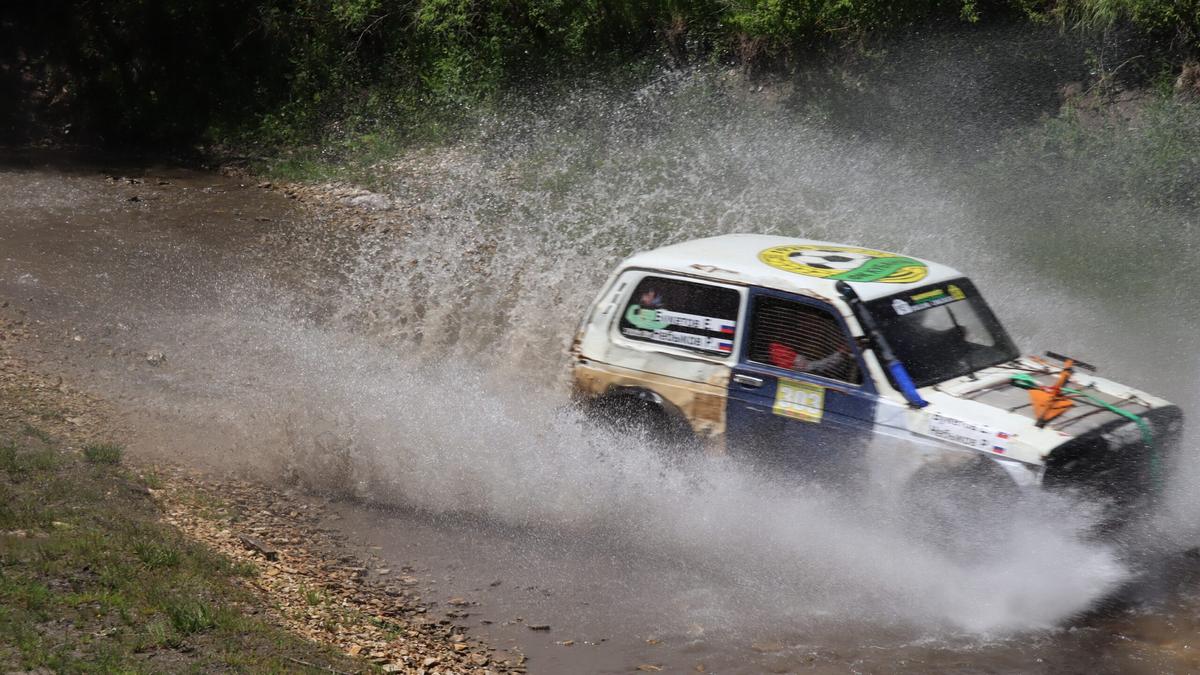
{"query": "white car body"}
pixel 980 412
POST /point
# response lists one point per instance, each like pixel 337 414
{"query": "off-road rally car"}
pixel 796 354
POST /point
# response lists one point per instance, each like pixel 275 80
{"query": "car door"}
pixel 799 396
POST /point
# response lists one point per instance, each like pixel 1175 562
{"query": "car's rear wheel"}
pixel 643 420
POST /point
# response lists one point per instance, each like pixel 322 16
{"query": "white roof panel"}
pixel 796 265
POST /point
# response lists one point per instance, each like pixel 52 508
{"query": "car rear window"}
pixel 685 314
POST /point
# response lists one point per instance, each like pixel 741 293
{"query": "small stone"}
pixel 479 659
pixel 460 646
pixel 354 650
pixel 430 662
pixel 565 643
pixel 650 668
pixel 369 202
pixel 266 550
pixel 539 626
pixel 458 602
pixel 156 358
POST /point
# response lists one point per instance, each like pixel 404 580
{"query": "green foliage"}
pixel 190 615
pixel 20 463
pixel 103 453
pixel 1179 19
pixel 79 548
pixel 284 73
pixel 157 554
pixel 783 22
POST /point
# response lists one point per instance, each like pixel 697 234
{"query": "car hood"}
pixel 994 387
pixel 991 394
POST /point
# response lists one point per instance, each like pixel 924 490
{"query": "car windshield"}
pixel 942 331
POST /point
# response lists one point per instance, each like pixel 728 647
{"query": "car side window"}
pixel 690 315
pixel 801 338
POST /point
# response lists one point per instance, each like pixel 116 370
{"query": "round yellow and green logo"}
pixel 845 263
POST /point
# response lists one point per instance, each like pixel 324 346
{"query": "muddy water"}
pixel 231 285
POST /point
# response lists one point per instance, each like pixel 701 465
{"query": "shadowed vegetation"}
pixel 91 581
pixel 281 73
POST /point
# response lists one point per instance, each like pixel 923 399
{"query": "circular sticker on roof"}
pixel 844 263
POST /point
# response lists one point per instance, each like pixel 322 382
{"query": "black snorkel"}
pixel 894 368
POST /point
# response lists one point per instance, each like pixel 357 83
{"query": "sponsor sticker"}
pixel 970 434
pixel 653 319
pixel 928 299
pixel 845 263
pixel 799 400
pixel 674 337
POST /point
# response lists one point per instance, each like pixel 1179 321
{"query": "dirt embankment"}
pixel 105 560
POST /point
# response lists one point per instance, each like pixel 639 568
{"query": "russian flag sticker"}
pixel 724 345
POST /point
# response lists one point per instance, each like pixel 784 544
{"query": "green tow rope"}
pixel 1026 381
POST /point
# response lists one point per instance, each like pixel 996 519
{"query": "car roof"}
pixel 786 263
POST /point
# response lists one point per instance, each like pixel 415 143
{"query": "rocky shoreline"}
pixel 310 584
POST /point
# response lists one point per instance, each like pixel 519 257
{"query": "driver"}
pixel 831 365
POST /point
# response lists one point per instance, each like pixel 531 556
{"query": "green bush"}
pixel 290 72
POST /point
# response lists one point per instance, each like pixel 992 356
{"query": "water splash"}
pixel 463 438
pixel 501 243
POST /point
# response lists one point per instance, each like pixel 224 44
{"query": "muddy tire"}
pixel 642 420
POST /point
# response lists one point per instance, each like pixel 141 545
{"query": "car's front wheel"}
pixel 963 508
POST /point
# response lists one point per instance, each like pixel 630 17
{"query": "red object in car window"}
pixel 781 355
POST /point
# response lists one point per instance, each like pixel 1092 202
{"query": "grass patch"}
pixel 191 615
pixel 35 432
pixel 92 581
pixel 156 555
pixel 103 453
pixel 20 462
pixel 152 480
pixel 313 596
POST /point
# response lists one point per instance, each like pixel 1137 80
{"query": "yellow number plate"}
pixel 799 400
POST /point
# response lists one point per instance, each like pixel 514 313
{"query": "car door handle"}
pixel 748 380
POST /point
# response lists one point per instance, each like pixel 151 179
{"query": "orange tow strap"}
pixel 1048 402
